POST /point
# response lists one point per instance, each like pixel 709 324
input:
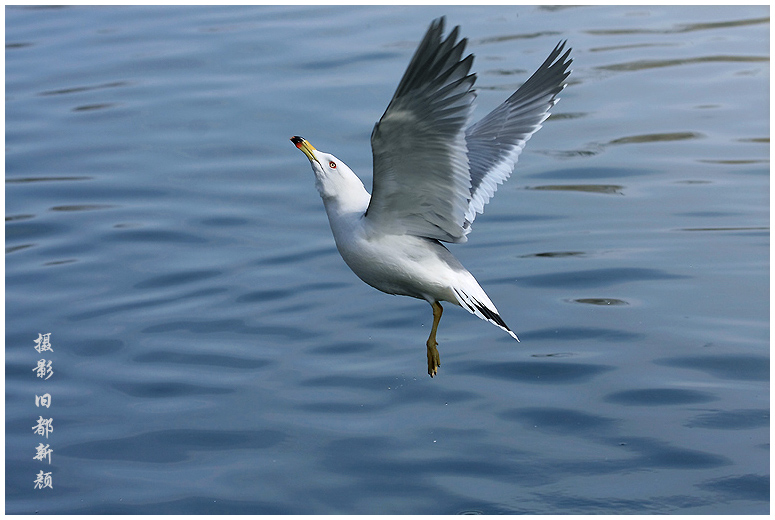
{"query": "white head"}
pixel 335 181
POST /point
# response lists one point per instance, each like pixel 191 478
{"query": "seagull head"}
pixel 333 178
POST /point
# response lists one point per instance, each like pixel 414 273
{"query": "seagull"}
pixel 433 172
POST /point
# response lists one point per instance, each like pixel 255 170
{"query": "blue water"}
pixel 213 354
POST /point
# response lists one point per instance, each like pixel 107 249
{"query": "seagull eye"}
pixel 332 164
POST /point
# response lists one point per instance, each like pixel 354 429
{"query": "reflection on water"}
pixel 588 188
pixel 213 354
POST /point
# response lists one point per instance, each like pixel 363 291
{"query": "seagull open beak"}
pixel 303 145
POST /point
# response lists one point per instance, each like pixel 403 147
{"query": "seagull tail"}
pixel 480 305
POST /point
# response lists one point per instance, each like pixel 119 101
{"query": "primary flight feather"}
pixel 432 174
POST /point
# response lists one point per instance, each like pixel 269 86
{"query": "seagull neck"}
pixel 337 205
pixel 344 196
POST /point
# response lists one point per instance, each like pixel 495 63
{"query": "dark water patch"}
pixel 433 396
pixel 537 372
pixel 154 236
pixel 373 465
pixel 601 172
pixel 567 115
pixel 693 181
pixel 555 254
pixel 94 106
pixel 266 296
pixel 757 140
pixel 170 446
pixel 609 505
pixel 654 453
pixel 627 46
pixel 82 207
pixel 591 151
pixel 20 247
pixel 731 366
pixel 143 303
pixel 503 72
pixel 207 360
pixel 655 64
pixel 599 301
pixel 740 487
pixel 23 230
pixel 706 214
pixel 659 397
pixel 13 218
pixel 656 138
pixel 560 421
pixel 516 217
pixel 732 420
pixel 22 340
pixel 18 45
pixel 292 258
pixel 23 180
pixel 18 370
pixel 328 64
pixel 201 505
pixel 764 229
pixel 704 26
pixel 165 390
pixel 358 383
pixel 340 408
pixel 597 277
pixel 224 222
pixel 174 279
pixel 86 88
pixel 734 162
pixel 341 348
pixel 235 326
pixel 94 347
pixel 280 294
pixel 575 504
pixel 520 36
pixel 581 333
pixel 399 321
pixel 605 189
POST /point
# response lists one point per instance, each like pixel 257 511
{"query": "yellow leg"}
pixel 433 353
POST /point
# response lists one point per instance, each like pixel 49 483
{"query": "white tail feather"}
pixel 484 308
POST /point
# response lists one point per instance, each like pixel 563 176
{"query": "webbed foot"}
pixel 433 358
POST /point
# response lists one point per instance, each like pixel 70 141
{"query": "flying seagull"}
pixel 433 172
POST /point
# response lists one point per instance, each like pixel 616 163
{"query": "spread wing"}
pixel 422 184
pixel 431 175
pixel 495 142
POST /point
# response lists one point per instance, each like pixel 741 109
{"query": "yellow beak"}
pixel 303 145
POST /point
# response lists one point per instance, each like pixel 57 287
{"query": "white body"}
pixel 401 264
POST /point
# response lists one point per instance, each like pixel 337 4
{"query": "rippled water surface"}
pixel 212 352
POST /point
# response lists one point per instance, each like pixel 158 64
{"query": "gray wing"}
pixel 495 142
pixel 422 184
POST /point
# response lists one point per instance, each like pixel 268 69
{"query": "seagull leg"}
pixel 433 353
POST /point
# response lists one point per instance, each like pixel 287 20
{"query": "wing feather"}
pixel 421 177
pixel 495 142
pixel 431 174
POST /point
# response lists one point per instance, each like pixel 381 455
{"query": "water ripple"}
pixel 659 397
pixel 638 65
pixel 539 372
pixel 169 446
pixel 732 366
pixel 597 277
pixel 731 420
